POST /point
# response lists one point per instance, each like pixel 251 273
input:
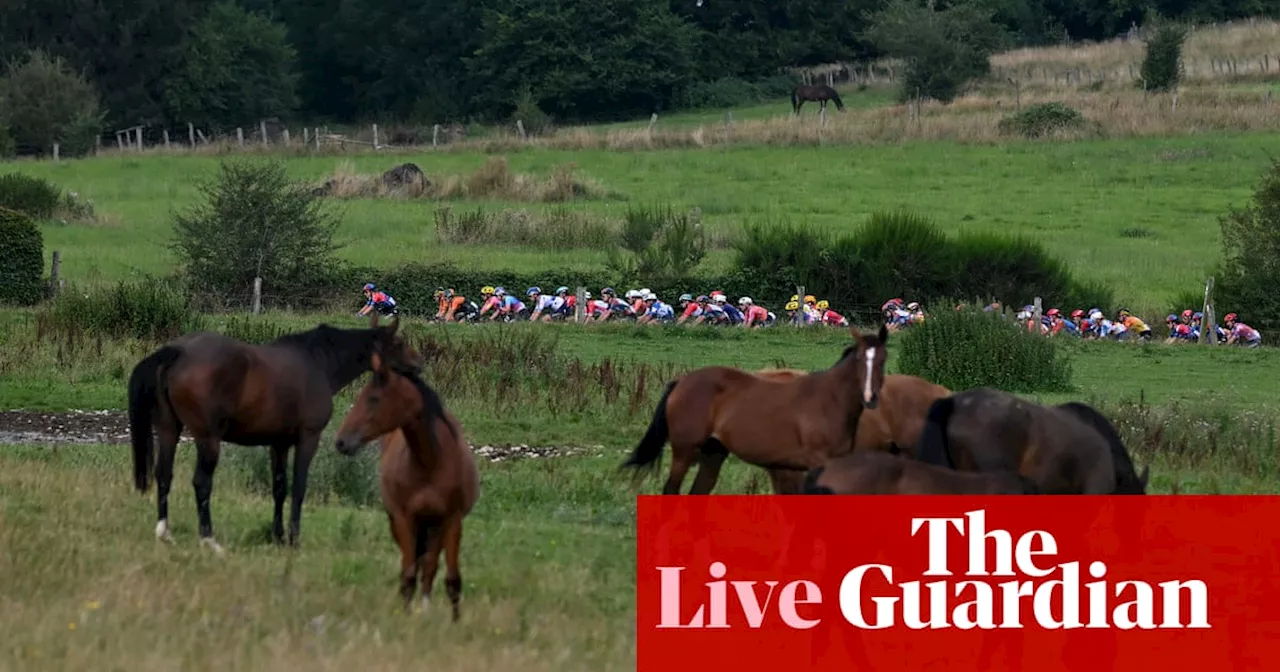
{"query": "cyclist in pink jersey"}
pixel 756 316
pixel 1239 333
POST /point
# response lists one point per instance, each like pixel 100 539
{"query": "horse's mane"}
pixel 332 348
pixel 1127 480
pixel 432 406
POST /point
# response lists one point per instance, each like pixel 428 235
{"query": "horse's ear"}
pixel 853 331
pixel 884 333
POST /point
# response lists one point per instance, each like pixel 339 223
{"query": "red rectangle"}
pixel 1230 543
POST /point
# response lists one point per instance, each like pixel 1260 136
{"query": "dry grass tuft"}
pixel 494 180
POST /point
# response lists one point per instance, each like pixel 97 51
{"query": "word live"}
pixel 1055 603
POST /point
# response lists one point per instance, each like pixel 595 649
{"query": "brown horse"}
pixel 875 473
pixel 429 477
pixel 893 426
pixel 1065 449
pixel 279 394
pixel 776 424
pixel 819 93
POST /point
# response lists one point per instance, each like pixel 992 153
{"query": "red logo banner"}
pixel 981 584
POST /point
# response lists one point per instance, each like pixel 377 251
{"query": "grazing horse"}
pixel 776 424
pixel 819 93
pixel 429 477
pixel 1065 449
pixel 875 473
pixel 279 394
pixel 892 426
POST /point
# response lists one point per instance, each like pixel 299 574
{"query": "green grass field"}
pixel 548 557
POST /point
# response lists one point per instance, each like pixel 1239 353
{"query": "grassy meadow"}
pixel 548 554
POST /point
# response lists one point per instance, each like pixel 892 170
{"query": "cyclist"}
pixel 376 300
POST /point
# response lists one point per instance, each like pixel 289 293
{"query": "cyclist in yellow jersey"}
pixel 1134 325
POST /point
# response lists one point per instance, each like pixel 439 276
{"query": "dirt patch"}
pixel 112 427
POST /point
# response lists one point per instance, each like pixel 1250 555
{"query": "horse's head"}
pixel 394 348
pixel 868 353
pixel 388 401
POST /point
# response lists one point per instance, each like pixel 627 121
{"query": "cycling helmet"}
pixel 1053 312
pixel 686 297
pixel 1187 313
pixel 792 305
pixel 368 286
pixel 448 293
pixel 823 304
pixel 533 290
pixel 913 306
pixel 562 290
pixel 720 298
pixel 809 298
pixel 1077 313
pixel 608 291
pixel 795 297
pixel 650 296
pixel 890 303
pixel 744 301
pixel 1197 315
pixel 1096 315
pixel 1171 318
pixel 486 290
pixel 645 291
pixel 586 295
pixel 1124 312
pixel 702 298
pixel 500 291
pixel 438 293
pixel 1229 317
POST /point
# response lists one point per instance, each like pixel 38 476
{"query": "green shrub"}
pixel 970 348
pixel 46 102
pixel 1042 119
pixel 778 256
pixel 658 243
pixel 1162 64
pixel 1014 269
pixel 149 309
pixel 558 229
pixel 21 259
pixel 529 114
pixel 34 196
pixel 900 254
pixel 1250 266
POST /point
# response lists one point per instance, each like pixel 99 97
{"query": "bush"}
pixel 1250 268
pixel 149 309
pixel 33 196
pixel 658 243
pixel 1162 65
pixel 898 254
pixel 778 255
pixel 558 229
pixel 970 348
pixel 1042 119
pixel 256 222
pixel 527 112
pixel 21 259
pixel 943 49
pixel 46 102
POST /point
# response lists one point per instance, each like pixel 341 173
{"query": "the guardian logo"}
pixel 971 600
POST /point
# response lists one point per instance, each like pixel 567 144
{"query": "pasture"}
pixel 548 555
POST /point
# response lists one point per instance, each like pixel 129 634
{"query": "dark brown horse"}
pixel 279 394
pixel 894 425
pixel 819 93
pixel 876 473
pixel 776 424
pixel 1066 449
pixel 429 477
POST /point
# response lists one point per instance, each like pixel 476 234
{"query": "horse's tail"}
pixel 1128 481
pixel 811 486
pixel 835 98
pixel 648 452
pixel 144 392
pixel 933 447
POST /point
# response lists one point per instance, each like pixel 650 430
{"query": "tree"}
pixel 255 222
pixel 1162 64
pixel 943 48
pixel 1250 266
pixel 45 102
pixel 236 68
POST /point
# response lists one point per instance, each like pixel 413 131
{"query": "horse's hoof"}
pixel 424 605
pixel 163 533
pixel 212 545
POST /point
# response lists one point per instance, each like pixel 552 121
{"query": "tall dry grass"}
pixel 1219 52
pixel 493 180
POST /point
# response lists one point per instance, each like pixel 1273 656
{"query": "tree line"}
pixel 227 63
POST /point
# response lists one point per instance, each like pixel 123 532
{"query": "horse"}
pixel 819 93
pixel 893 426
pixel 1066 449
pixel 876 473
pixel 429 477
pixel 795 424
pixel 279 394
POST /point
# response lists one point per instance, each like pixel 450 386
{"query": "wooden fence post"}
pixel 375 136
pixel 435 135
pixel 1036 312
pixel 1208 323
pixel 55 270
pixel 728 124
pixel 257 295
pixel 580 308
pixel 284 137
pixel 317 137
pixel 262 127
pixel 306 136
pixel 520 128
pixel 800 305
pixel 139 138
pixel 653 121
pixel 240 136
pixel 191 133
pixel 57 151
pixel 166 138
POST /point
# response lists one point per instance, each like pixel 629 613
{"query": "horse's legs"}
pixel 681 460
pixel 167 433
pixel 452 575
pixel 430 540
pixel 207 453
pixel 279 487
pixel 710 458
pixel 402 529
pixel 786 481
pixel 307 444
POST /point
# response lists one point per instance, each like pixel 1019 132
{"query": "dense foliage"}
pixel 35 197
pixel 21 259
pixel 163 63
pixel 1162 64
pixel 43 101
pixel 1250 267
pixel 964 349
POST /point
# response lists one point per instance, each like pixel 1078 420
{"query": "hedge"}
pixel 21 259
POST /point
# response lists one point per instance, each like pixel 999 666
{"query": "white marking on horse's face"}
pixel 866 379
